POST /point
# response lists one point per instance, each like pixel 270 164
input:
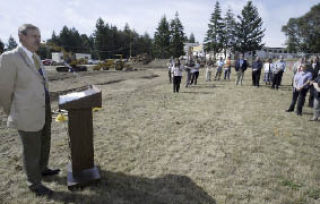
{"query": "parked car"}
pixel 47 62
pixel 92 61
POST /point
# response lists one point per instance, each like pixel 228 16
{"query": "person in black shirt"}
pixel 316 100
pixel 315 71
pixel 256 71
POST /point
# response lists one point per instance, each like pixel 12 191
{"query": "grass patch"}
pixel 314 193
pixel 291 184
pixel 210 143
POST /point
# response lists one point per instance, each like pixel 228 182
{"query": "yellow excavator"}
pixel 118 63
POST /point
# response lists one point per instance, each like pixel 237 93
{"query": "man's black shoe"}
pixel 289 110
pixel 299 114
pixel 41 190
pixel 50 172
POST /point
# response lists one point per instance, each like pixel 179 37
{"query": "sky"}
pixel 142 15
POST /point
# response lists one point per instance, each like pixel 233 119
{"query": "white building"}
pixel 57 57
pixel 196 49
pixel 271 52
pixel 83 56
pixel 188 48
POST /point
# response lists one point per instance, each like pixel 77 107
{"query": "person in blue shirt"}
pixel 301 84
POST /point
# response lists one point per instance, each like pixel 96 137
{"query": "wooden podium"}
pixel 81 171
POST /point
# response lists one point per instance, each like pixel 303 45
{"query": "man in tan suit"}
pixel 25 98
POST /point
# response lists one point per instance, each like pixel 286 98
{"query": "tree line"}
pixel 168 41
pixel 108 40
pixel 242 33
pixel 11 44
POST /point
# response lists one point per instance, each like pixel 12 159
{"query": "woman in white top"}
pixel 268 67
pixel 177 75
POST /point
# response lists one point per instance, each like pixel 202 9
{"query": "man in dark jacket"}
pixel 256 71
pixel 278 70
pixel 240 66
pixel 315 71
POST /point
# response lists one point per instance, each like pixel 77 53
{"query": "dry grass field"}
pixel 210 143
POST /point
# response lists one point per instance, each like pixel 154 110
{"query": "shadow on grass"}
pixel 117 187
pixel 206 86
pixel 195 92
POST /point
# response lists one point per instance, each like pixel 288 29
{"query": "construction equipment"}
pixel 70 63
pixel 141 58
pixel 105 65
pixel 118 63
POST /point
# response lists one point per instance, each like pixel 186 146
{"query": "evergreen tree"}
pixel 44 51
pixel 11 43
pixel 162 39
pixel 54 38
pixel 109 40
pixel 86 43
pixel 229 33
pixel 146 44
pixel 70 40
pixel 92 47
pixel 192 38
pixel 177 37
pixel 215 36
pixel 1 47
pixel 249 32
pixel 99 39
pixel 127 40
pixel 134 43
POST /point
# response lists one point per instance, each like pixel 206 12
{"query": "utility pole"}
pixel 130 46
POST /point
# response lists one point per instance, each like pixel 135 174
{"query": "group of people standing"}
pixel 306 76
pixel 273 72
pixel 176 68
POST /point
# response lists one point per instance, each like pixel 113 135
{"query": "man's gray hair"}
pixel 23 30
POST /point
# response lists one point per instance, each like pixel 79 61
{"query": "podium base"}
pixel 83 178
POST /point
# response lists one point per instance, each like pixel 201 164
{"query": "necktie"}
pixel 36 62
pixel 37 65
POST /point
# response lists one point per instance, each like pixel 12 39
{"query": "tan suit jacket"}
pixel 22 94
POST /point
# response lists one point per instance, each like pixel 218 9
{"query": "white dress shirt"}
pixel 28 52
